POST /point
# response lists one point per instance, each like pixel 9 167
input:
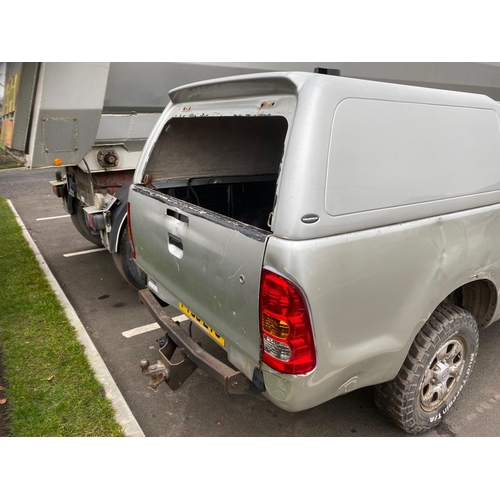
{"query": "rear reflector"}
pixel 285 326
pixel 59 190
pixel 96 221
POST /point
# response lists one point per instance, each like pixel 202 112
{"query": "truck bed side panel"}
pixel 370 292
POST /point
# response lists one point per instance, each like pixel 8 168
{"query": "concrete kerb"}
pixel 27 168
pixel 124 415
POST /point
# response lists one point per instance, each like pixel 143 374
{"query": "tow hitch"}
pixel 174 374
pixel 193 356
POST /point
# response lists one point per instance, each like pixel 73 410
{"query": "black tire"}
pixel 126 264
pixel 78 219
pixel 434 373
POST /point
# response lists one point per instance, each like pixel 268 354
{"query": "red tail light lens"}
pixel 96 221
pixel 285 326
pixel 129 226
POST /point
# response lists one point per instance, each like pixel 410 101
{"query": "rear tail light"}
pixel 59 190
pixel 285 326
pixel 96 221
pixel 129 226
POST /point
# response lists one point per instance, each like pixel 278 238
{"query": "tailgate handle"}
pixel 177 242
pixel 177 216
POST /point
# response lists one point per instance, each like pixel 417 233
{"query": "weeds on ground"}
pixel 9 165
pixel 7 160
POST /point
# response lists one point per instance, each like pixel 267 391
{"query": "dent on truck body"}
pixel 371 291
pixel 380 253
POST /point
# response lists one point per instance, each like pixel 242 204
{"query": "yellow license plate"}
pixel 192 316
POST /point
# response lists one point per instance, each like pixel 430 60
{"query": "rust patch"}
pixel 147 180
pixel 108 182
pixel 266 105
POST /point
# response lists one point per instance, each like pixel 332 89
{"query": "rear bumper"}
pixel 193 357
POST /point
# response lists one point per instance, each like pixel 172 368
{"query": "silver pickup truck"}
pixel 327 233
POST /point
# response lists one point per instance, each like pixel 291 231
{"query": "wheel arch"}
pixel 423 391
pixel 479 297
pixel 118 218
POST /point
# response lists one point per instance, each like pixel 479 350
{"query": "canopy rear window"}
pixel 201 147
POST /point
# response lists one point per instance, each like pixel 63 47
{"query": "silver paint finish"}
pixel 311 159
pixel 205 274
pixel 408 154
pixel 371 291
pixel 371 278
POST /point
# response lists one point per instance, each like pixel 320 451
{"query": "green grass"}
pixel 50 386
pixel 10 165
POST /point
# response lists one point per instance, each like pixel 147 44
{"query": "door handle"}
pixel 175 246
pixel 174 240
pixel 177 216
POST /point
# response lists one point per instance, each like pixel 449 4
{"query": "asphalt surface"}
pixel 108 306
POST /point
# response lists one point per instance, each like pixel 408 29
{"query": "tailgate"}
pixel 210 263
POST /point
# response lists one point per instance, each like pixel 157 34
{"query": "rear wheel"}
pixel 126 264
pixel 434 372
pixel 78 219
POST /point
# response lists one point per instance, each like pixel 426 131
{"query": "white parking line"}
pixel 55 217
pixel 151 327
pixel 180 319
pixel 140 329
pixel 84 252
